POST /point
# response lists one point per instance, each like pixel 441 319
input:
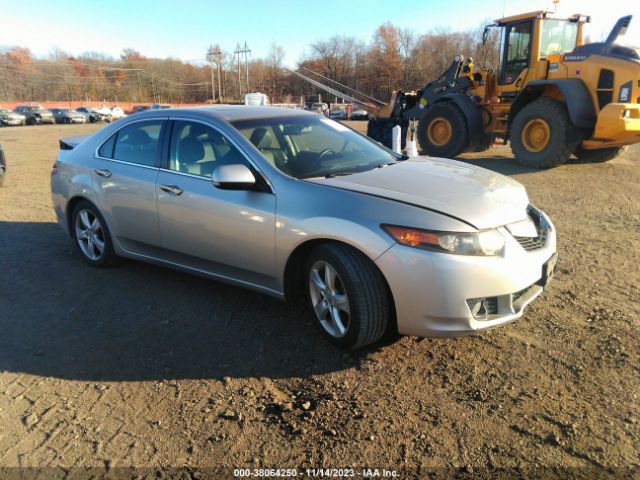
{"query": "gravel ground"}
pixel 140 366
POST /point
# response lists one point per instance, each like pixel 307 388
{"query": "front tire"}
pixel 542 134
pixel 348 296
pixel 91 235
pixel 442 131
pixel 600 155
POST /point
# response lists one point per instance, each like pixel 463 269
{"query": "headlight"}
pixel 485 242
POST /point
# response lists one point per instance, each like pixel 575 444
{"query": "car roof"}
pixel 232 113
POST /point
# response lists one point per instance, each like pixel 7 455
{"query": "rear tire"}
pixel 600 155
pixel 357 294
pixel 97 250
pixel 442 131
pixel 542 134
pixel 381 130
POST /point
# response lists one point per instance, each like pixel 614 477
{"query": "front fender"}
pixel 577 98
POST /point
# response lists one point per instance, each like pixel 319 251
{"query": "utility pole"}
pixel 239 51
pixel 247 54
pixel 211 56
pixel 153 88
pixel 218 56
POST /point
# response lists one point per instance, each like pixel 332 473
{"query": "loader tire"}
pixel 542 134
pixel 380 130
pixel 442 131
pixel 483 144
pixel 600 155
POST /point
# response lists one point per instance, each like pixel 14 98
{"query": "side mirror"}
pixel 233 177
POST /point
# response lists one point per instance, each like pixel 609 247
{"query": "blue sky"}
pixel 184 29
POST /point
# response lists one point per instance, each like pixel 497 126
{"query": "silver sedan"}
pixel 291 203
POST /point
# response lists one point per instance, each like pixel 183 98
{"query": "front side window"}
pixel 137 143
pixel 313 146
pixel 518 47
pixel 558 36
pixel 198 149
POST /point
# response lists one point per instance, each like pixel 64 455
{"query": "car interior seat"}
pixel 263 140
pixel 190 152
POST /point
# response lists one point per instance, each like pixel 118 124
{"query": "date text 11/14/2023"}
pixel 315 472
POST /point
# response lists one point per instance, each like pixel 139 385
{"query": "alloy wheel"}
pixel 89 234
pixel 329 299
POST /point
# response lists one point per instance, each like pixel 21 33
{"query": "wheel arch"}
pixel 293 279
pixel 572 92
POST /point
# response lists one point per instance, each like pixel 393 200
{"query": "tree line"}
pixel 395 58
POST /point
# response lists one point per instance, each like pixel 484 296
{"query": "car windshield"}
pixel 309 146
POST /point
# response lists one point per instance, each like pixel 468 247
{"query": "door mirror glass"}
pixel 233 177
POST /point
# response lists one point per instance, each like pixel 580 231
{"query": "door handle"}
pixel 103 173
pixel 176 190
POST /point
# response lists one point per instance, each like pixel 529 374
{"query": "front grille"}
pixel 535 243
pixel 605 88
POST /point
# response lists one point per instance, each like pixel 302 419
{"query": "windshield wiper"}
pixel 338 174
pixel 386 164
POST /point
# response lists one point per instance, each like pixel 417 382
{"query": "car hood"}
pixel 475 195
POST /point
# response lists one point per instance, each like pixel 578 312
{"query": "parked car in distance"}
pixel 66 115
pixel 291 203
pixel 93 115
pixel 3 166
pixel 35 114
pixel 338 115
pixel 117 113
pixel 316 107
pixel 359 115
pixel 158 106
pixel 11 118
pixel 103 109
pixel 140 108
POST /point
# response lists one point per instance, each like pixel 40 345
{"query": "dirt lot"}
pixel 140 366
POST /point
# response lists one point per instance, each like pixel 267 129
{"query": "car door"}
pixel 229 233
pixel 124 176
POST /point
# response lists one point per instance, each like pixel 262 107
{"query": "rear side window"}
pixel 106 150
pixel 137 143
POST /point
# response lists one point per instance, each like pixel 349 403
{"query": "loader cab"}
pixel 528 39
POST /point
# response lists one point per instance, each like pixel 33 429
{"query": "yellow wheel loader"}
pixel 551 96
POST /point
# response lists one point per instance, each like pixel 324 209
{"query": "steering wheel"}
pixel 325 152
